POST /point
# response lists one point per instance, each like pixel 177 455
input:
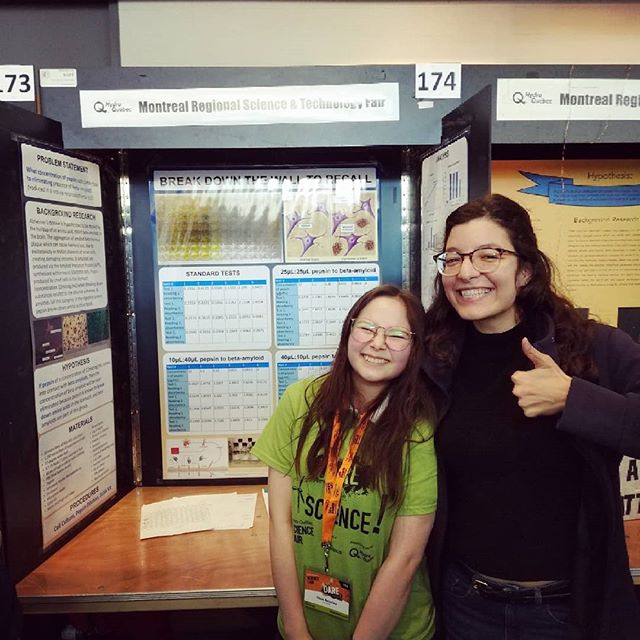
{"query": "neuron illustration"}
pixel 307 242
pixel 337 219
pixel 292 222
pixel 351 240
pixel 365 205
pixel 321 207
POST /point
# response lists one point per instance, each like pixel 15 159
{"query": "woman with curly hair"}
pixel 537 405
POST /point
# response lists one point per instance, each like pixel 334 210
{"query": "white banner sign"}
pixel 568 99
pixel 240 105
pixel 344 180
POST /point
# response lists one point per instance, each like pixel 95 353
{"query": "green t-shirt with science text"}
pixel 361 533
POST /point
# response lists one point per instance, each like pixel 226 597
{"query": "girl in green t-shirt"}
pixel 352 483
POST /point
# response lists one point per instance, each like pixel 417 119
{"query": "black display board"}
pixel 388 163
pixel 19 452
pixel 471 119
pixel 19 465
pixel 416 126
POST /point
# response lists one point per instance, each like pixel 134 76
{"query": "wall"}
pixel 59 35
pixel 277 33
pixel 211 33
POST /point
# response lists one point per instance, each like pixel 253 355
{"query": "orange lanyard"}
pixel 334 479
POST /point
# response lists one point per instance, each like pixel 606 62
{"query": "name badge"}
pixel 327 594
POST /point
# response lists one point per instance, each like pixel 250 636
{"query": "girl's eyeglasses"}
pixel 396 338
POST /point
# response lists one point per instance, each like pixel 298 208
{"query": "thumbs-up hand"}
pixel 543 390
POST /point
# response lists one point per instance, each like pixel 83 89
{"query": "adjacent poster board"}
pixel 586 214
pixel 255 272
pixel 444 186
pixel 73 384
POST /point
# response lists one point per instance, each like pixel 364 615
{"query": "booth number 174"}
pixel 431 81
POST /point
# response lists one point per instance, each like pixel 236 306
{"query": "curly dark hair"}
pixel 538 296
pixel 380 456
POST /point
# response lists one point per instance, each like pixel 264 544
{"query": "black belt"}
pixel 501 592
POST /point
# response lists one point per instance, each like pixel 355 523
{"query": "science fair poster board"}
pixel 255 272
pixel 73 384
pixel 444 186
pixel 586 214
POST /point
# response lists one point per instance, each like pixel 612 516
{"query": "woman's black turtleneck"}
pixel 513 482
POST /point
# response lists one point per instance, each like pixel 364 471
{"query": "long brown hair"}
pixel 538 296
pixel 380 456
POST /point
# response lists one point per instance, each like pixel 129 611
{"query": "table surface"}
pixel 106 567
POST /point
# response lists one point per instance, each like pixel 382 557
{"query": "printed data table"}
pixel 292 366
pixel 218 393
pixel 311 301
pixel 215 307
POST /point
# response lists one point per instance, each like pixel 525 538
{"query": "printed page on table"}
pixel 197 513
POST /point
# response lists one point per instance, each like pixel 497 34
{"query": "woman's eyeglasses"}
pixel 483 260
pixel 396 338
